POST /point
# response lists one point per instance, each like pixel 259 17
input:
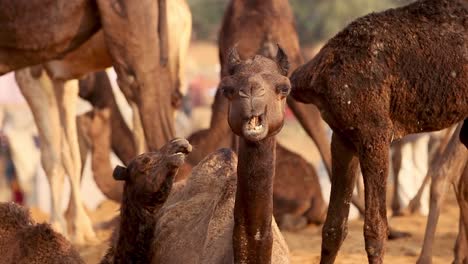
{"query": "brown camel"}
pixel 254 26
pixel 24 241
pixel 384 76
pixel 148 182
pixel 128 35
pixel 207 220
pixel 450 167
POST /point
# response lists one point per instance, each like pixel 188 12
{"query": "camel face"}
pixel 256 89
pixel 149 176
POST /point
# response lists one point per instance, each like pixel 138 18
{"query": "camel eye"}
pixel 283 89
pixel 228 91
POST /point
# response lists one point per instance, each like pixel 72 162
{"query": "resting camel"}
pixel 450 167
pixel 148 181
pixel 253 26
pixel 85 36
pixel 24 241
pixel 386 75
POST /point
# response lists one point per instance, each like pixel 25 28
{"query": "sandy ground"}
pixel 305 245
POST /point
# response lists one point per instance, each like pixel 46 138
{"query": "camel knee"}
pixel 333 236
pixel 437 189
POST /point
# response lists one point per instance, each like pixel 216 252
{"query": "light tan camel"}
pixel 131 43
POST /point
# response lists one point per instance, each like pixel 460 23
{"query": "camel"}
pixel 90 51
pixel 99 133
pixel 24 241
pixel 222 224
pixel 372 83
pixel 450 167
pixel 253 26
pixel 148 181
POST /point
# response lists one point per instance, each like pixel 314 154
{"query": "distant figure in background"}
pixel 18 125
pixel 9 172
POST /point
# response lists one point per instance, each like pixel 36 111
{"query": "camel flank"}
pixel 381 78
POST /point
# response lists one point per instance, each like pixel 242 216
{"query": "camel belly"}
pixel 32 32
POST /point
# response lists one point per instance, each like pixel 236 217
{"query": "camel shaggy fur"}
pixel 384 76
pixel 24 241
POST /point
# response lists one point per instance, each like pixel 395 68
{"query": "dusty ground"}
pixel 304 245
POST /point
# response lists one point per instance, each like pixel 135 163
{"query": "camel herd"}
pixel 386 75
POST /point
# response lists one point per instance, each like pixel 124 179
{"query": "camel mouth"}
pixel 180 149
pixel 254 128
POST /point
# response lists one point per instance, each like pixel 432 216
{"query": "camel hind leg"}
pixel 39 94
pixel 446 169
pixel 461 247
pixel 67 98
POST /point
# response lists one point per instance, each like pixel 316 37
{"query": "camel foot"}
pixel 292 223
pixel 395 234
pixel 82 230
pixel 59 226
pixel 424 260
pixel 414 206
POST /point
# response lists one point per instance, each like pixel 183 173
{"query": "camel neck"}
pixel 135 233
pixel 252 238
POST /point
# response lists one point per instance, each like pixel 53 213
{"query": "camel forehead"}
pixel 257 65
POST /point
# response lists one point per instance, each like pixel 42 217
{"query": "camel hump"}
pixel 13 216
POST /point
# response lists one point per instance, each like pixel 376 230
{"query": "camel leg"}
pixel 131 34
pixel 415 202
pixel 40 96
pixel 396 164
pixel 138 133
pixel 344 168
pixel 374 161
pixel 461 247
pixel 67 98
pixel 444 170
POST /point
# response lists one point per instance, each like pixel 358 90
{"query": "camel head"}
pixel 256 89
pixel 149 177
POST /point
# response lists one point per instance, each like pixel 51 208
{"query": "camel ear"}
pixel 120 173
pixel 233 59
pixel 282 61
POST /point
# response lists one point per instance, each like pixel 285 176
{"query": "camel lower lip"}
pixel 254 128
